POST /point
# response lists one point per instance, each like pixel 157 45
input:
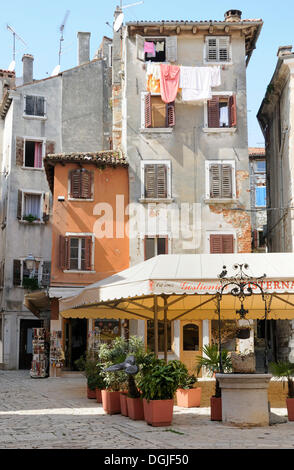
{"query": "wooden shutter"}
pixel 46 206
pixel 140 47
pixel 50 147
pixel 171 114
pixel 150 181
pixel 64 252
pixel 215 244
pixel 86 180
pixel 29 102
pixel 19 151
pixel 46 273
pixel 226 187
pixel 40 106
pixel 19 205
pixel 147 110
pixel 88 253
pixel 213 112
pixel 215 180
pixel 211 49
pixel 16 272
pixel 171 49
pixel 227 244
pixel 2 265
pixel 75 184
pixel 223 48
pixel 161 181
pixel 221 243
pixel 232 111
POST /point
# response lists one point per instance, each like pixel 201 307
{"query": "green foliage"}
pixel 188 382
pixel 211 361
pixel 158 380
pixel 284 369
pixel 30 218
pixel 92 369
pixel 30 283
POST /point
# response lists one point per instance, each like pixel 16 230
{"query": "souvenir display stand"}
pixel 56 354
pixel 40 354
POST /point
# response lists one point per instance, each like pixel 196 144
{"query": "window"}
pixel 190 337
pixel 155 246
pixel 35 105
pixel 164 48
pixel 220 179
pixel 155 179
pixel 80 181
pixel 33 157
pixel 75 253
pixel 33 207
pixel 217 48
pixel 260 166
pixel 150 335
pixel 39 277
pixel 221 243
pixel 156 113
pixel 222 111
pixel 260 196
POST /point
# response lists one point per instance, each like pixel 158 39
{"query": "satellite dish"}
pixel 118 22
pixel 56 70
pixel 11 66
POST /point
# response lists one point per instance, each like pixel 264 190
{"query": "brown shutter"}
pixel 227 244
pixel 88 253
pixel 85 184
pixel 161 181
pixel 75 184
pixel 226 181
pixel 46 273
pixel 148 113
pixel 221 243
pixel 19 151
pixel 215 180
pixel 50 147
pixel 46 206
pixel 233 111
pixel 2 264
pixel 150 181
pixel 16 272
pixel 19 205
pixel 213 112
pixel 171 115
pixel 64 252
pixel 215 244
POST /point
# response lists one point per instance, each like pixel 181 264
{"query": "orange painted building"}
pixel 89 242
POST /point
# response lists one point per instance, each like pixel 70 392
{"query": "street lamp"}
pixel 30 263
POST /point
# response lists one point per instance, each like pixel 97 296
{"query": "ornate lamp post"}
pixel 241 286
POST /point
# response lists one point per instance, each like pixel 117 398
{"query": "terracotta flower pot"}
pixel 110 402
pixel 98 395
pixel 91 393
pixel 158 412
pixel 290 408
pixel 123 404
pixel 188 398
pixel 135 408
pixel 215 408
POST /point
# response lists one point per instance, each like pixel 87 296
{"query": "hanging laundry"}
pixel 153 68
pixel 149 48
pixel 169 82
pixel 224 116
pixel 159 47
pixel 153 85
pixel 215 76
pixel 195 83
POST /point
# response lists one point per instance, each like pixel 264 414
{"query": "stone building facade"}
pixel 257 167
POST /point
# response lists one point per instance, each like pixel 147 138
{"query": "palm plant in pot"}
pixel 158 383
pixel 188 396
pixel 211 361
pixel 285 369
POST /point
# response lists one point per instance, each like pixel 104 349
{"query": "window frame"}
pixel 167 128
pixel 34 116
pixel 83 235
pixel 168 180
pixel 207 180
pixel 166 237
pixel 206 128
pixel 205 50
pixel 41 195
pixel 255 196
pixel 225 232
pixel 171 350
pixel 69 197
pixel 39 275
pixel 36 140
pixel 166 38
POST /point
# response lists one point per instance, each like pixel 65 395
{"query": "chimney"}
pixel 27 67
pixel 83 47
pixel 233 16
pixel 284 50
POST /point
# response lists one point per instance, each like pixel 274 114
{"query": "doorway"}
pixel 75 341
pixel 26 342
pixel 191 343
pixel 259 343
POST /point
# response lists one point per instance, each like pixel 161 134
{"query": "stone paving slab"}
pixel 56 414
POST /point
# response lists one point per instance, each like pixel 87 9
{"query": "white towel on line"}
pixel 196 82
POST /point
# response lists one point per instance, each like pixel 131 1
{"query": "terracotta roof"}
pixel 111 158
pixel 256 151
pixel 229 23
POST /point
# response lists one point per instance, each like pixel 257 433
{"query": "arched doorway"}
pixel 191 343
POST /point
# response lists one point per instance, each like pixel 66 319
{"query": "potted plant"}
pixel 188 396
pixel 93 374
pixel 136 347
pixel 211 361
pixel 285 369
pixel 158 383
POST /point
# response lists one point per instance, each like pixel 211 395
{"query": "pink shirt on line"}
pixel 169 82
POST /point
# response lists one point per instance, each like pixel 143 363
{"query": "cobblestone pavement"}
pixel 54 413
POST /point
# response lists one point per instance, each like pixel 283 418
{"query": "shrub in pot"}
pixel 158 383
pixel 93 372
pixel 211 361
pixel 188 396
pixel 285 369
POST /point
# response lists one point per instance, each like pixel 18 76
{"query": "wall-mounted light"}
pixel 30 262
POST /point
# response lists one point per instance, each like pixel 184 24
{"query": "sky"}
pixel 38 23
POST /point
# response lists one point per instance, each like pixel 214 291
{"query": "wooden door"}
pixel 191 343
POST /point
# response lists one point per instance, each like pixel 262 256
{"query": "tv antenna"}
pixel 61 29
pixel 15 36
pixel 119 20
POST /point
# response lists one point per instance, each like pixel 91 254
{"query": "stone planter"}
pixel 110 402
pixel 245 399
pixel 215 409
pixel 123 404
pixel 135 408
pixel 290 408
pixel 188 398
pixel 158 412
pixel 243 363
